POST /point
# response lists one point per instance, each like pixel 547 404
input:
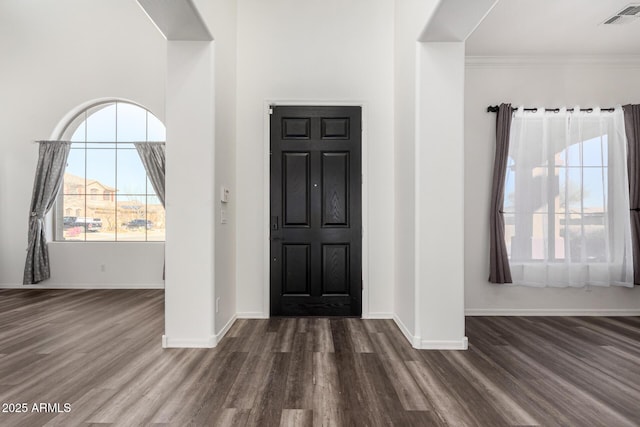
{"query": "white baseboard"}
pixel 225 329
pixel 84 286
pixel 378 315
pixel 413 340
pixel 168 342
pixel 420 344
pixel 551 312
pixel 251 315
pixel 462 344
pixel 212 341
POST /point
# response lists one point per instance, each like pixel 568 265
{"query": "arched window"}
pixel 105 182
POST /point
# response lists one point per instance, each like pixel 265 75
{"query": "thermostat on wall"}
pixel 224 194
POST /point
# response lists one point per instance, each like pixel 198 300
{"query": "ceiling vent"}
pixel 627 15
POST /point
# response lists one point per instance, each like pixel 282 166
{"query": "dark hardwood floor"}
pixel 100 352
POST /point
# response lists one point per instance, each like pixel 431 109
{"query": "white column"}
pixel 190 195
pixel 439 196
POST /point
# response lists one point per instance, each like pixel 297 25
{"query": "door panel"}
pixel 296 189
pixel 335 128
pixel 335 269
pixel 296 260
pixel 296 128
pixel 335 189
pixel 316 211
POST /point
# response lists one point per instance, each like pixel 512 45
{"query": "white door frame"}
pixel 267 194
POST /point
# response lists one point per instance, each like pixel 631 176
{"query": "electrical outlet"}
pixel 103 268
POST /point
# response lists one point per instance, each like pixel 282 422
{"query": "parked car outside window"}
pixel 139 223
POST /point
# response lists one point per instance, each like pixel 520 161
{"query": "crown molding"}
pixel 607 61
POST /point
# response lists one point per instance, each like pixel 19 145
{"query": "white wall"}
pixel 200 292
pixel 55 57
pixel 326 51
pixel 190 201
pixel 530 82
pixel 439 196
pixel 126 265
pixel 410 17
pixel 220 17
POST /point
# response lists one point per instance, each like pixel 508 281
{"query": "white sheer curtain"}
pixel 566 204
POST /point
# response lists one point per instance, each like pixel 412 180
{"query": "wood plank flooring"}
pixel 100 351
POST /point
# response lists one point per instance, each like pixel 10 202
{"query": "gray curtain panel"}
pixel 499 271
pixel 52 161
pixel 632 129
pixel 153 159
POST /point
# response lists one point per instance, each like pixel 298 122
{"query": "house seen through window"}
pixel 106 195
pixel 565 218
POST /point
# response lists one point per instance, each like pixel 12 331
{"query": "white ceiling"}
pixel 554 28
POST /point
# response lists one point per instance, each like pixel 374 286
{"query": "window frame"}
pixel 66 133
pixel 551 164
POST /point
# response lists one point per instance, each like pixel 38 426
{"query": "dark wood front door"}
pixel 316 211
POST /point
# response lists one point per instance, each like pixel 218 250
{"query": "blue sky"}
pixel 125 123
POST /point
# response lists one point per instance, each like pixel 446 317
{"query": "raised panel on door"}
pixel 335 189
pixel 296 269
pixel 335 269
pixel 335 128
pixel 295 181
pixel 296 128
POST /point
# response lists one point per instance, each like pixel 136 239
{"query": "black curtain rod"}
pixel 494 109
